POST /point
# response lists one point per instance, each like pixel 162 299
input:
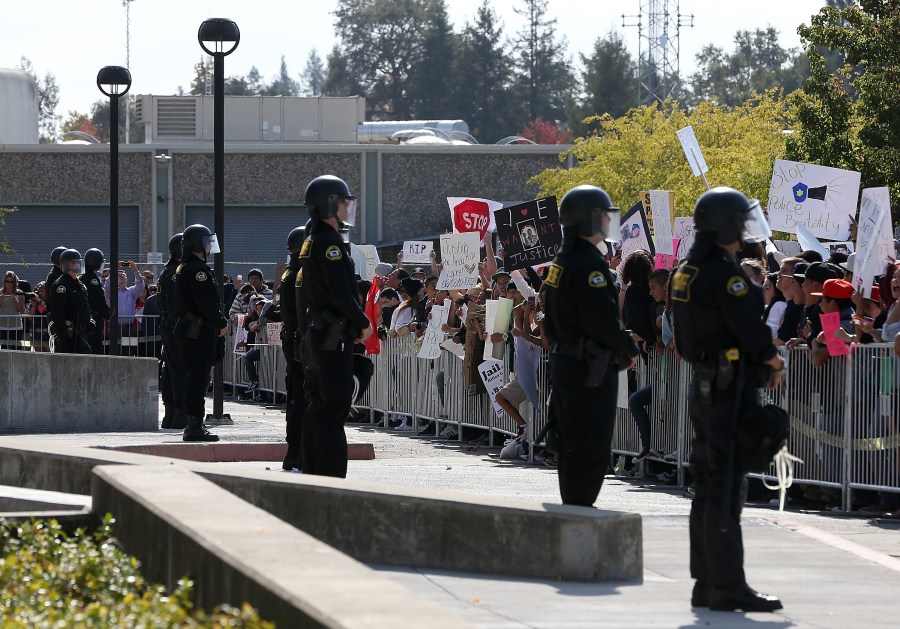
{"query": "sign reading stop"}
pixel 472 215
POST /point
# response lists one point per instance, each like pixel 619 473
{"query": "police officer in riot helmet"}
pixel 589 344
pixel 294 380
pixel 71 315
pixel 93 264
pixel 200 325
pixel 719 330
pixel 52 276
pixel 171 361
pixel 335 319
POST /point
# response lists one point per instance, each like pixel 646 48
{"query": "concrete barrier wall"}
pixel 45 392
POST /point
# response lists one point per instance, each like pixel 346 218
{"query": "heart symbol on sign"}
pixel 524 212
pixel 469 268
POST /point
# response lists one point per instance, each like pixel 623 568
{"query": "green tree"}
pixel 283 84
pixel 434 77
pixel 340 80
pixel 202 83
pixel 640 151
pixel 4 246
pixel 608 82
pixel 99 118
pixel 851 118
pixel 382 40
pixel 48 101
pixel 255 80
pixel 543 74
pixel 313 75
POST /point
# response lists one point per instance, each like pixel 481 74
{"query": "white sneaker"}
pixel 449 432
pixel 404 427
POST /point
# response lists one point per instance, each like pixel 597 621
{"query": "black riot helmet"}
pixel 581 211
pixel 175 246
pixel 93 259
pixel 295 240
pixel 198 239
pixel 70 261
pixel 323 195
pixel 55 254
pixel 728 216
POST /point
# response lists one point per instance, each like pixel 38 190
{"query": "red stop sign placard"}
pixel 472 216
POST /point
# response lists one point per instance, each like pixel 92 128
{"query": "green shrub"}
pixel 51 579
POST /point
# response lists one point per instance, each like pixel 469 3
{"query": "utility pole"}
pixel 659 25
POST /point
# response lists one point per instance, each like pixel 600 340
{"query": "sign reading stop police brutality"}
pixel 821 198
pixel 473 215
pixel 529 232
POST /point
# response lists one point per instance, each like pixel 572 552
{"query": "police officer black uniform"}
pixel 171 381
pixel 335 319
pixel 199 326
pixel 54 274
pixel 589 344
pixel 93 263
pixel 294 380
pixel 719 330
pixel 71 315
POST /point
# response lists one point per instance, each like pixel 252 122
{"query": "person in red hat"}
pixel 836 296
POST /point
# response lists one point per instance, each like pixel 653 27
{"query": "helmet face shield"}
pixel 756 227
pixel 350 218
pixel 212 244
pixel 615 221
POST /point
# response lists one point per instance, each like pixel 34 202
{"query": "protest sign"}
pixel 493 375
pixel 459 255
pixel 788 247
pixel 634 232
pixel 473 215
pixel 417 251
pixel 663 261
pixel 821 198
pixel 456 349
pixel 875 241
pixel 808 242
pixel 845 247
pixel 273 334
pixel 692 151
pixel 684 232
pixel 660 205
pixel 529 232
pixel 496 321
pixel 622 393
pixel 365 259
pixel 831 321
pixel 240 336
pixel 431 339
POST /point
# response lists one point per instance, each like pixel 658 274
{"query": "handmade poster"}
pixel 831 321
pixel 493 375
pixel 417 251
pixel 473 215
pixel 874 240
pixel 808 242
pixel 684 232
pixel 496 320
pixel 529 232
pixel 431 339
pixel 273 334
pixel 459 255
pixel 692 151
pixel 821 198
pixel 240 336
pixel 634 233
pixel 457 349
pixel 662 220
pixel 662 261
pixel 644 196
pixel 788 247
pixel 365 259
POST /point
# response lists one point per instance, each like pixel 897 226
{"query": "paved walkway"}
pixel 830 570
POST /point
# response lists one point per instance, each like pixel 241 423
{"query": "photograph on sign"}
pixel 472 214
pixel 634 233
pixel 821 198
pixel 692 151
pixel 529 233
pixel 417 251
pixel 459 256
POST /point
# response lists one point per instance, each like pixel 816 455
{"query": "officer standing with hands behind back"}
pixel 719 330
pixel 200 324
pixel 71 315
pixel 172 372
pixel 93 264
pixel 331 302
pixel 589 344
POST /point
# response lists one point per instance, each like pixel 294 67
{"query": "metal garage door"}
pixel 35 230
pixel 255 237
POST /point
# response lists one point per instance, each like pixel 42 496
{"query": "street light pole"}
pixel 219 37
pixel 114 81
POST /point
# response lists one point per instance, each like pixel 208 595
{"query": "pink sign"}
pixel 663 261
pixel 831 321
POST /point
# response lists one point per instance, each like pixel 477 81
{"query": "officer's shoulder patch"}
pixel 285 276
pixel 60 289
pixel 737 286
pixel 597 279
pixel 95 282
pixel 554 274
pixel 201 276
pixel 334 253
pixel 306 248
pixel 681 282
pixel 298 281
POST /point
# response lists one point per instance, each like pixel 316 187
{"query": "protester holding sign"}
pixel 589 344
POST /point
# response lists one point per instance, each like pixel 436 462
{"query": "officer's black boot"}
pixel 742 597
pixel 196 432
pixel 179 419
pixel 167 420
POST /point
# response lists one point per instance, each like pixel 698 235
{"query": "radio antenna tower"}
pixel 659 24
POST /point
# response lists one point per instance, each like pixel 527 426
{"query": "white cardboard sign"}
pixel 493 374
pixel 498 312
pixel 662 221
pixel 459 255
pixel 433 336
pixel 417 251
pixel 875 239
pixel 692 151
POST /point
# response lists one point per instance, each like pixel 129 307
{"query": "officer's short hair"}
pixel 255 272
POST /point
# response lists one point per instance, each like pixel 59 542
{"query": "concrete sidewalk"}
pixel 830 570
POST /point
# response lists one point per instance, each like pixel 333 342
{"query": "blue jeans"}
pixel 252 360
pixel 638 404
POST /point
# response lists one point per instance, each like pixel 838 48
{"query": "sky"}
pixel 73 39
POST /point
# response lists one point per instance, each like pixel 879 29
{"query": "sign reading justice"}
pixel 529 232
